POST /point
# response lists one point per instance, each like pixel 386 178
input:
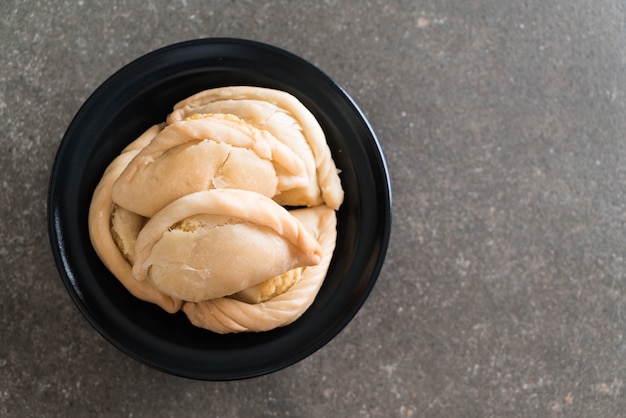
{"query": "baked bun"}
pixel 110 240
pixel 273 303
pixel 287 119
pixel 226 210
pixel 217 242
pixel 205 152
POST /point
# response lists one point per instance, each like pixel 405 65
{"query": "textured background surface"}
pixel 503 124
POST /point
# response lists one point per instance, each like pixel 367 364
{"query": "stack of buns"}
pixel 225 211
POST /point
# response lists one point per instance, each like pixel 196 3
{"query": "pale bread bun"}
pixel 230 315
pixel 285 117
pixel 217 242
pixel 99 221
pixel 205 152
pixel 184 216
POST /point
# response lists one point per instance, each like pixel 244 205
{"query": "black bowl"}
pixel 141 94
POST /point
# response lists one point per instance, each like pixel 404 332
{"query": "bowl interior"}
pixel 143 93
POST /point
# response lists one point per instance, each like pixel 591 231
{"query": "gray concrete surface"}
pixel 503 124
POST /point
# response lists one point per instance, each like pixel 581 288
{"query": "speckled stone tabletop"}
pixel 503 125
